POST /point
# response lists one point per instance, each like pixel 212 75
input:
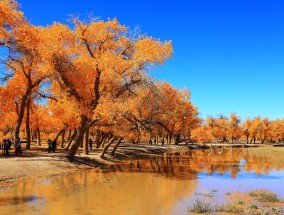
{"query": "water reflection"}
pixel 187 165
pixel 102 193
pixel 162 184
pixel 16 199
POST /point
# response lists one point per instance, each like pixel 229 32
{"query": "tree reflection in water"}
pixel 162 184
pixel 187 165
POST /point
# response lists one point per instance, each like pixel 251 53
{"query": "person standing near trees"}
pixel 6 147
pixel 18 142
pixel 163 141
pixel 49 146
pixel 54 145
pixel 150 141
pixel 18 146
pixel 90 143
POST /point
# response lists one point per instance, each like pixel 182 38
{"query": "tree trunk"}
pixel 116 146
pixel 98 138
pixel 28 129
pixel 79 139
pixel 38 137
pixel 177 139
pixel 60 132
pixel 12 135
pixel 71 139
pixel 86 141
pixel 101 141
pixel 31 130
pixel 105 140
pixel 69 135
pixel 62 139
pixel 107 146
pixel 20 113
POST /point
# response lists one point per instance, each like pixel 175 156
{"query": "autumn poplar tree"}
pixel 97 61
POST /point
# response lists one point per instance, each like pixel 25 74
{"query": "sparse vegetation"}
pixel 264 196
pixel 200 206
pixel 257 202
pixel 230 208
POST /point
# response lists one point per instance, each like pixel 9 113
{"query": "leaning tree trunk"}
pixel 69 134
pixel 107 146
pixel 71 139
pixel 60 132
pixel 62 139
pixel 28 129
pixel 104 141
pixel 116 146
pixel 86 141
pixel 79 138
pixel 101 139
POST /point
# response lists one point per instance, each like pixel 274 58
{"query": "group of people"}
pixel 6 146
pixel 52 145
pixel 155 141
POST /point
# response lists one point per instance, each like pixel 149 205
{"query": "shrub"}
pixel 200 206
pixel 230 208
pixel 264 196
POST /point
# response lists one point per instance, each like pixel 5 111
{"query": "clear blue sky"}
pixel 228 53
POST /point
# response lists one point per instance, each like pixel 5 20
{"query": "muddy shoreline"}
pixel 37 163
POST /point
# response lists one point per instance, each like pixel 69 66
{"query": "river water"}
pixel 164 184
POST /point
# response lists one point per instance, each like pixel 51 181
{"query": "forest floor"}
pixel 36 162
